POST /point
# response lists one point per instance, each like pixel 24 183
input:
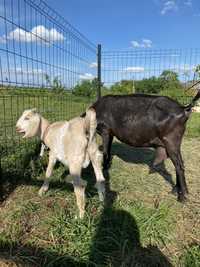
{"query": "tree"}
pixel 170 80
pixel 87 88
pixel 123 87
pixel 171 86
pixel 152 85
pixel 56 84
pixel 197 71
pixel 47 78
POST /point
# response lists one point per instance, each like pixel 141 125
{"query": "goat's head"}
pixel 29 123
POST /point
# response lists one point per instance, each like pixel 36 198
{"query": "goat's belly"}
pixel 141 139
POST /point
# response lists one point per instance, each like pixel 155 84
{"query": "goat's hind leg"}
pixel 177 186
pixel 96 159
pixel 173 150
pixel 79 187
pixel 51 164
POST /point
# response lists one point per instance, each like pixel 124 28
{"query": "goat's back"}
pixel 67 139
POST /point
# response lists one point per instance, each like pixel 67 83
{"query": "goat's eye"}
pixel 26 118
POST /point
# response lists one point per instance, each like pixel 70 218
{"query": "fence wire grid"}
pixel 136 65
pixel 40 53
pixel 44 59
pixel 38 46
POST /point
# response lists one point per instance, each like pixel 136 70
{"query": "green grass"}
pixel 141 223
pixel 192 256
pixel 193 126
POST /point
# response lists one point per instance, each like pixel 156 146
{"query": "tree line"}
pixel 167 83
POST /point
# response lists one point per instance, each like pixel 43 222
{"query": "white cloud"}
pixel 21 71
pixel 187 68
pixel 135 44
pixel 2 39
pixel 93 65
pixel 134 69
pixel 169 6
pixel 86 76
pixel 146 43
pixel 188 3
pixel 38 33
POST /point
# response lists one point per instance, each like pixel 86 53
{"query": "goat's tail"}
pixel 91 123
pixel 189 107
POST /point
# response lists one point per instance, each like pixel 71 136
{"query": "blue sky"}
pixel 115 23
pixel 32 45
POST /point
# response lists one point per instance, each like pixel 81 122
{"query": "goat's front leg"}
pixel 79 187
pixel 107 143
pixel 42 150
pixel 51 164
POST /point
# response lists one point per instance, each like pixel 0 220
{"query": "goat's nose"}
pixel 17 128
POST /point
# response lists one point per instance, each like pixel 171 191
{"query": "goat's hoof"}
pixel 182 198
pixel 152 170
pixel 41 192
pixel 174 190
pixel 81 215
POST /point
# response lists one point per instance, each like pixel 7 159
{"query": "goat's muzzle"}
pixel 19 130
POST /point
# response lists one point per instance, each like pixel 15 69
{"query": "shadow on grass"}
pixel 26 171
pixel 116 243
pixel 141 156
pixel 117 239
pixel 10 180
pixel 31 167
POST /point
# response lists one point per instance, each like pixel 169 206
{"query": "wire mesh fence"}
pixel 163 71
pixel 44 63
pixel 39 48
pixel 53 107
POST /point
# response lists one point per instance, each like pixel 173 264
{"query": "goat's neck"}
pixel 44 124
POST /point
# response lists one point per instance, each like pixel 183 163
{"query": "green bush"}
pixel 123 87
pixel 86 88
pixel 166 84
pixel 55 84
pixel 151 85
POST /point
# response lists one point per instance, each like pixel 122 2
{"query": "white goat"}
pixel 71 142
pixel 196 109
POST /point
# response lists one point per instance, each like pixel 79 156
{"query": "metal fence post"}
pixel 99 71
